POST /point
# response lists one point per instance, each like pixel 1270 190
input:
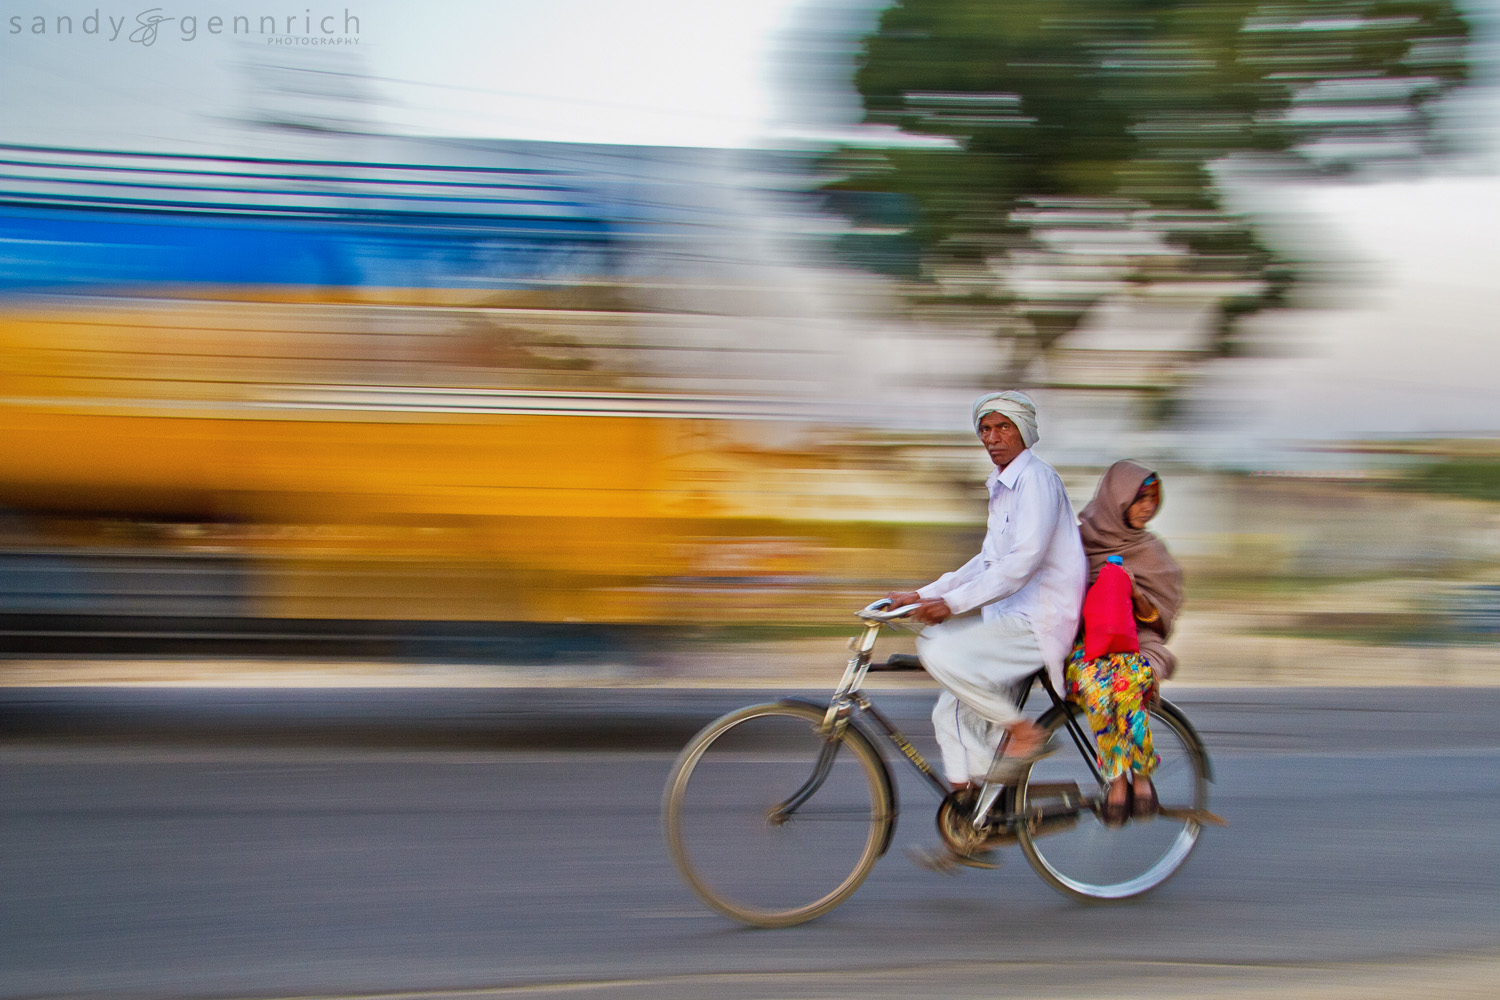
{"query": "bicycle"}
pixel 775 813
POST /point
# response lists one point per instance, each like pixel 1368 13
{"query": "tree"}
pixel 1075 147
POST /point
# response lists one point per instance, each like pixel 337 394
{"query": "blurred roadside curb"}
pixel 1245 692
pixel 1245 719
pixel 485 718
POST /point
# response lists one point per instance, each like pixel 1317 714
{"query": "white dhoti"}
pixel 979 663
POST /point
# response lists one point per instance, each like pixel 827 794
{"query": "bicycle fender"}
pixel 1167 708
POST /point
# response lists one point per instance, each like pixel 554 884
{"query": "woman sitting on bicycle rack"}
pixel 1115 689
pixel 1028 579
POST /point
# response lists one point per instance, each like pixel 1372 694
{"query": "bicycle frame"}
pixel 849 702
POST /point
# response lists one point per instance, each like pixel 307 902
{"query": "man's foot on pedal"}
pixel 1008 769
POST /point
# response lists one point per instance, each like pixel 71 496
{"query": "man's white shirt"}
pixel 1031 563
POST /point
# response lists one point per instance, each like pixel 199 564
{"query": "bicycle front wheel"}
pixel 770 822
pixel 1074 851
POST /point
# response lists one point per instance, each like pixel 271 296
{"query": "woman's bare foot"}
pixel 1144 804
pixel 1117 802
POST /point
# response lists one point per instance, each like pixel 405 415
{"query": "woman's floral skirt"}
pixel 1113 691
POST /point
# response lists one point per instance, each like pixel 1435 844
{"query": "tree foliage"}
pixel 1076 144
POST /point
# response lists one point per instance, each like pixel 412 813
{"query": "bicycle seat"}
pixel 899 661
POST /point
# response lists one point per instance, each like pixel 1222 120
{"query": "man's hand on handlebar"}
pixel 901 598
pixel 932 612
pixel 928 612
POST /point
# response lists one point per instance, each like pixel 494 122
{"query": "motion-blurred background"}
pixel 585 332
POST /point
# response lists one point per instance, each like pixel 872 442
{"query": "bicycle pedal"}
pixel 945 861
pixel 935 860
pixel 1193 815
pixel 975 861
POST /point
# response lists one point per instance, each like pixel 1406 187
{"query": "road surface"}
pixel 1361 855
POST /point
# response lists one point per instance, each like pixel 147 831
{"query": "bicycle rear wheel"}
pixel 769 822
pixel 1072 849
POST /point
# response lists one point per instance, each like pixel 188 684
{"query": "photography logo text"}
pixel 159 24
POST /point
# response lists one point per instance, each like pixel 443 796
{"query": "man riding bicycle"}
pixel 1028 581
pixel 781 837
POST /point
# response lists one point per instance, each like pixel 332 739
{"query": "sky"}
pixel 1408 343
pixel 1406 346
pixel 638 71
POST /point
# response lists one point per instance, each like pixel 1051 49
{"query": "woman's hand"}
pixel 1140 604
pixel 1144 610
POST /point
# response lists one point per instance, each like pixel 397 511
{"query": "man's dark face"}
pixel 1001 438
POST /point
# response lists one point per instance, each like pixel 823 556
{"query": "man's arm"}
pixel 965 574
pixel 933 608
pixel 1037 512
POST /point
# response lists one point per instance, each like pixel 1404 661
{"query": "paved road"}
pixel 1364 832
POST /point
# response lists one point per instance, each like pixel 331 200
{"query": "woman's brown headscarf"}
pixel 1106 533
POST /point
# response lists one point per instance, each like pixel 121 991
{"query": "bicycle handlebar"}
pixel 876 611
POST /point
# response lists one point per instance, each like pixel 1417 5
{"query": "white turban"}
pixel 1015 405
